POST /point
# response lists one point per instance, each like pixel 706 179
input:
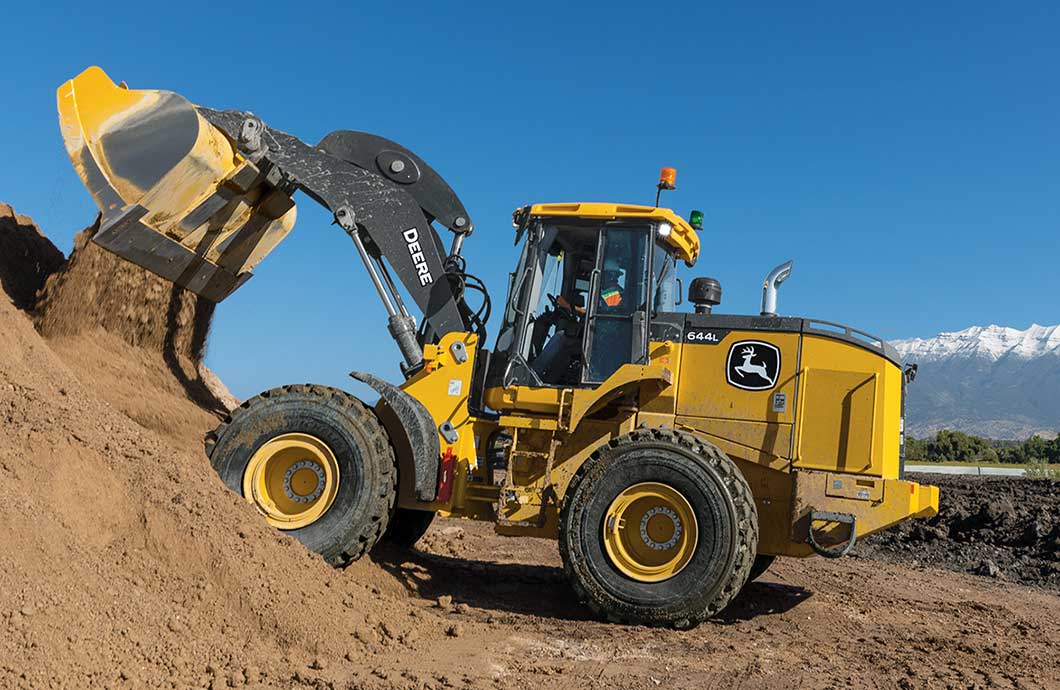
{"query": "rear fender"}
pixel 412 432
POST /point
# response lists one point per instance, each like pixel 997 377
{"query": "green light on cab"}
pixel 695 219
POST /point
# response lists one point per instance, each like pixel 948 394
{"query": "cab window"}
pixel 579 302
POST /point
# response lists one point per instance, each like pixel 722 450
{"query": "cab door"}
pixel 616 330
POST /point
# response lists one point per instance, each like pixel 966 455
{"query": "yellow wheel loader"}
pixel 672 454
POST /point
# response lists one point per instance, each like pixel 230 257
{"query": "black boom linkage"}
pixel 385 197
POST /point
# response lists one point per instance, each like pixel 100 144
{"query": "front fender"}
pixel 412 431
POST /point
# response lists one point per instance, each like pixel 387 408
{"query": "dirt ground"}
pixel 806 624
pixel 1000 527
pixel 127 564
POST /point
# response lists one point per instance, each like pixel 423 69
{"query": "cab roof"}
pixel 682 237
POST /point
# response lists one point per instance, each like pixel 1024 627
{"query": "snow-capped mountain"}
pixel 986 380
pixel 990 342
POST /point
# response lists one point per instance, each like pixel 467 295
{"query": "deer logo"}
pixel 753 365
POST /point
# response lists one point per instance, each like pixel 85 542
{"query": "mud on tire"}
pixel 724 509
pixel 364 498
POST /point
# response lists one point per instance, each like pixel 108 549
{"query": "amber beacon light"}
pixel 667 181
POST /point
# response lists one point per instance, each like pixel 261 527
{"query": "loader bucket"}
pixel 177 197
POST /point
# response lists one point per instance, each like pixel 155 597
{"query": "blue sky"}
pixel 905 155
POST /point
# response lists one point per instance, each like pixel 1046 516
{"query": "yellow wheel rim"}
pixel 292 480
pixel 650 532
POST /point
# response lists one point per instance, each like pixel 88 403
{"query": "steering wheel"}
pixel 565 312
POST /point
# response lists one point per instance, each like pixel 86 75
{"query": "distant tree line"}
pixel 961 447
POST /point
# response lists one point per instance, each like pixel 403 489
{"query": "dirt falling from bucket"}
pixel 136 338
pixel 99 289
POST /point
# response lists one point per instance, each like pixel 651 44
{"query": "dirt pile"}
pixel 126 562
pixel 1001 527
pixel 27 258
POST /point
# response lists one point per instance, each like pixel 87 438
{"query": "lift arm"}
pixel 387 215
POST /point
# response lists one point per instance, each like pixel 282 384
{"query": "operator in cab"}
pixel 611 290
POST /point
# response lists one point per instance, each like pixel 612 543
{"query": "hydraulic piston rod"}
pixel 401 325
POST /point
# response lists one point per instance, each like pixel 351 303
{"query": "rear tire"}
pixel 316 463
pixel 407 526
pixel 713 545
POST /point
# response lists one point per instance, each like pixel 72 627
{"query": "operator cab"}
pixel 589 280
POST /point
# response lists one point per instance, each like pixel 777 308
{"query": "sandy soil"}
pixel 127 564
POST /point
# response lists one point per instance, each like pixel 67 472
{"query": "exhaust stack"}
pixel 769 289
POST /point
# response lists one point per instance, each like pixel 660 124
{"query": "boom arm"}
pixel 394 212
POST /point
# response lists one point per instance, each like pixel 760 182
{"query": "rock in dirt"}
pixel 988 568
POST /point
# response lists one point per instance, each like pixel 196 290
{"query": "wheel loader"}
pixel 673 454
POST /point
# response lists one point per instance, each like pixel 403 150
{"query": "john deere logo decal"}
pixel 753 365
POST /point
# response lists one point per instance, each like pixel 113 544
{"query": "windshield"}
pixel 515 282
pixel 551 280
pixel 529 272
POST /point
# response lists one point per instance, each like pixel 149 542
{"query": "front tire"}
pixel 315 462
pixel 658 528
